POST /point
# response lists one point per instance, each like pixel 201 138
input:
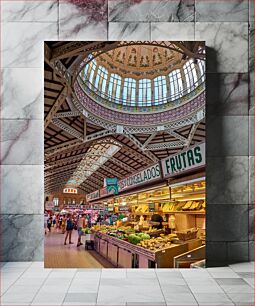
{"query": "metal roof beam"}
pixel 149 139
pixel 61 98
pixel 177 135
pixel 60 169
pixel 67 114
pixel 65 159
pixel 150 155
pixel 67 128
pixel 192 133
pixel 164 145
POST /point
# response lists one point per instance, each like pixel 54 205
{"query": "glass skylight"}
pixel 143 92
pixel 96 156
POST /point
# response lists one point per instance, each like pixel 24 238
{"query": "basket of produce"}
pixel 155 232
pixel 187 234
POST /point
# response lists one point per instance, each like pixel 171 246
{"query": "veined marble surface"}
pixel 228 42
pixel 129 31
pixel 153 10
pixel 227 180
pixel 230 180
pixel 22 93
pixel 23 10
pixel 83 20
pixel 227 94
pixel 172 31
pixel 21 237
pixel 213 10
pixel 22 189
pixel 228 144
pixel 22 43
pixel 21 142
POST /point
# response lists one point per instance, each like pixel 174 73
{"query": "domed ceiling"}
pixel 139 61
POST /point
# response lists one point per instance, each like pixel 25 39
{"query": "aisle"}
pixel 58 255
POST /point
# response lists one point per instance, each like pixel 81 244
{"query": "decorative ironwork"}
pixel 140 146
pixel 55 107
pixel 192 133
pixel 67 128
pixel 120 118
pixel 164 145
pixel 56 150
pixel 67 114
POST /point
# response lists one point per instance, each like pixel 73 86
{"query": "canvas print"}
pixel 124 151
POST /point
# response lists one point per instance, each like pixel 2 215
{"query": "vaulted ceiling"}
pixel 69 133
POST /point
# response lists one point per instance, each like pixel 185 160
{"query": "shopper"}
pixel 80 226
pixel 89 220
pixel 69 229
pixel 63 224
pixel 54 220
pixel 99 219
pixel 49 223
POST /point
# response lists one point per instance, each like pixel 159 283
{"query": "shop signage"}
pixel 191 158
pixel 112 185
pixel 104 192
pixel 93 195
pixel 150 174
pixel 70 190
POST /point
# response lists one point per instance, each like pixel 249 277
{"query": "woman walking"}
pixel 69 229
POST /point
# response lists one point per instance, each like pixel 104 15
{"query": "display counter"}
pixel 123 254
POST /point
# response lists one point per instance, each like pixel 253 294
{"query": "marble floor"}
pixel 29 283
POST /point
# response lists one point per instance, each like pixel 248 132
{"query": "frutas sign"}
pixel 191 158
pixel 148 175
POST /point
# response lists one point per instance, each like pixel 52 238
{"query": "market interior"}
pixel 124 138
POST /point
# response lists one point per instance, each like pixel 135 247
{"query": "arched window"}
pixel 190 75
pixel 86 69
pixel 100 81
pixel 91 70
pixel 176 87
pixel 114 86
pixel 144 96
pixel 201 66
pixel 160 90
pixel 129 91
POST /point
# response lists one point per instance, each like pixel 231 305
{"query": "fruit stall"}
pixel 126 248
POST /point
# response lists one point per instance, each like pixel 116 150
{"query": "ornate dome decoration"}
pixel 142 78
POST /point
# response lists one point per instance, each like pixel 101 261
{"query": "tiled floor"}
pixel 28 283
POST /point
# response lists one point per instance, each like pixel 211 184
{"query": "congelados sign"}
pixel 186 160
pixel 148 175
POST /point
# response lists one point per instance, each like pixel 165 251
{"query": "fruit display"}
pixel 187 205
pixel 155 244
pixel 153 232
pixel 168 207
pixel 86 230
pixel 143 208
pixel 183 206
pixel 137 238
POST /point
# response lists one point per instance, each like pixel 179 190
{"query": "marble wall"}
pixel 228 30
